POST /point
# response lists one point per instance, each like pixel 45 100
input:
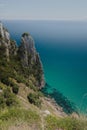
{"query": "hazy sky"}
pixel 44 9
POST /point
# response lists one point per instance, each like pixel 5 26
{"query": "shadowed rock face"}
pixel 26 53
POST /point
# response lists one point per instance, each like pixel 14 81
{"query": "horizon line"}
pixel 85 20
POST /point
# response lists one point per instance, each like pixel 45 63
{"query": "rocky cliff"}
pixel 27 50
pixel 4 40
pixel 25 56
pixel 30 58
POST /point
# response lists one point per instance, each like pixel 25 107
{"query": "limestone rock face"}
pixel 30 57
pixel 5 39
pixel 27 50
pixel 10 46
pixel 1 30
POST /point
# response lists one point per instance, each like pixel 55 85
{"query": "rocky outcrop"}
pixel 27 50
pixel 30 58
pixel 26 54
pixel 13 49
pixel 5 39
pixel 9 45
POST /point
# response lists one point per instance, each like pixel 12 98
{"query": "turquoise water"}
pixel 63 49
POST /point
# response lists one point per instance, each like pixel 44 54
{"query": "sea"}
pixel 62 46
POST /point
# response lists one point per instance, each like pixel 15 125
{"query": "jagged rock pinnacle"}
pixel 30 57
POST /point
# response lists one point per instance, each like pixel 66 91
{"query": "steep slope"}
pixel 22 105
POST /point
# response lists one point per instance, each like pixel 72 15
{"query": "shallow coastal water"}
pixel 63 50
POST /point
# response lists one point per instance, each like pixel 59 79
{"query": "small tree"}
pixel 15 89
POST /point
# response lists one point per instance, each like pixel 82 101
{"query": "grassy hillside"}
pixel 25 115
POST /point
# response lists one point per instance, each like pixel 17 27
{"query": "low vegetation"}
pixel 7 98
pixel 15 115
pixel 15 89
pixel 68 123
pixel 34 98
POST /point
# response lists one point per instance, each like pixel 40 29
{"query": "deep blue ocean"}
pixel 62 46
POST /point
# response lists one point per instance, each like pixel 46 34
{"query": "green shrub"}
pixel 5 80
pixel 25 34
pixel 2 86
pixel 7 98
pixel 15 89
pixel 33 87
pixel 33 98
pixel 6 92
pixel 10 100
pixel 40 94
pixel 2 101
pixel 20 78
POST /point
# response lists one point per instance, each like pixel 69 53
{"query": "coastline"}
pixel 59 99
